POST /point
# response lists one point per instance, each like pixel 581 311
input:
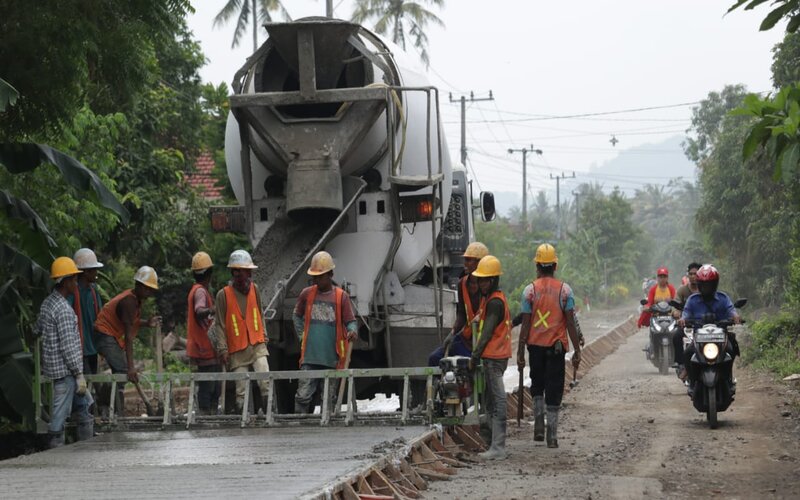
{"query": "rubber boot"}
pixel 497 451
pixel 56 439
pixel 552 426
pixel 538 418
pixel 85 430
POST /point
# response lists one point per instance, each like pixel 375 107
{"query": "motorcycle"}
pixel 714 389
pixel 663 327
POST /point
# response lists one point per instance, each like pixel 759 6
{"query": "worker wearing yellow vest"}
pixel 324 321
pixel 118 325
pixel 492 340
pixel 87 304
pixel 239 335
pixel 199 316
pixel 548 316
pixel 459 341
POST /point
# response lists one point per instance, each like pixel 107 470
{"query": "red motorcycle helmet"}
pixel 707 281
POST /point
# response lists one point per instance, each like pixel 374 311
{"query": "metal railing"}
pixel 167 383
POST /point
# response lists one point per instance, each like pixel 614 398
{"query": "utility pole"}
pixel 463 101
pixel 525 152
pixel 577 210
pixel 329 8
pixel 558 200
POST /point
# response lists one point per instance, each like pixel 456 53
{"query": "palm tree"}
pixel 246 10
pixel 398 17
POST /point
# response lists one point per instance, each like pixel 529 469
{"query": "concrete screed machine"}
pixel 335 142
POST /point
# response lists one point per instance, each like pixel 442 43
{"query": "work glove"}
pixel 81 390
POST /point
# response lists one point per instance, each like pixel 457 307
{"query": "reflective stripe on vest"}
pixel 341 334
pixel 499 346
pixel 108 323
pixel 465 296
pixel 198 345
pixel 242 332
pixel 548 322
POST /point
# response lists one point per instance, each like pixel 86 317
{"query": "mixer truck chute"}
pixel 335 142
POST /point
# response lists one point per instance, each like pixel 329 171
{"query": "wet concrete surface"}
pixel 245 463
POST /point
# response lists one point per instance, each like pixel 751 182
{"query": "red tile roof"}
pixel 202 180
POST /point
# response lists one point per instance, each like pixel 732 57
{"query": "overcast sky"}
pixel 556 58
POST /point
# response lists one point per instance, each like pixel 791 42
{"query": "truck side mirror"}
pixel 488 212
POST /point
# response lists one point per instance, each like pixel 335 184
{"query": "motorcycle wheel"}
pixel 663 367
pixel 711 414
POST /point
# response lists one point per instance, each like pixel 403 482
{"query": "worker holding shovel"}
pixel 324 321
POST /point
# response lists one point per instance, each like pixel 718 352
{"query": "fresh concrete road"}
pixel 243 463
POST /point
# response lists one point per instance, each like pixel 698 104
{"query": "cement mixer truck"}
pixel 335 142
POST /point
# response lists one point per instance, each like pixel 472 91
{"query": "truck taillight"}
pixel 417 208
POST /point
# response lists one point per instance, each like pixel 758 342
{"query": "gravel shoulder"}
pixel 628 432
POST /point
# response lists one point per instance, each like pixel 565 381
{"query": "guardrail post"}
pixel 190 409
pixel 404 402
pixel 246 402
pixel 270 398
pixel 326 388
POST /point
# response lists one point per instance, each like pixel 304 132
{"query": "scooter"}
pixel 714 389
pixel 663 327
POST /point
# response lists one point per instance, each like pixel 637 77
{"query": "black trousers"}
pixel 547 373
pixel 208 392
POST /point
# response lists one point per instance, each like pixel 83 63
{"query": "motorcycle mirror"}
pixel 643 301
pixel 740 303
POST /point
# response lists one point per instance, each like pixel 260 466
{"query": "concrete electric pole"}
pixel 558 200
pixel 525 152
pixel 463 100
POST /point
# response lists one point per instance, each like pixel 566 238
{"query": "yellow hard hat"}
pixel 476 250
pixel 488 267
pixel 147 276
pixel 63 267
pixel 321 263
pixel 241 259
pixel 201 261
pixel 546 254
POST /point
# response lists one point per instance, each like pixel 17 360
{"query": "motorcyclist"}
pixel 682 295
pixel 662 291
pixel 708 300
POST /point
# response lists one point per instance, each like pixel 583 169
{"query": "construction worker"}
pixel 324 321
pixel 199 316
pixel 548 316
pixel 118 325
pixel 493 349
pixel 459 341
pixel 240 338
pixel 87 304
pixel 62 356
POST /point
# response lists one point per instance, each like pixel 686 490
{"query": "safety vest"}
pixel 341 334
pixel 467 298
pixel 499 347
pixel 108 323
pixel 197 344
pixel 548 322
pixel 76 306
pixel 242 331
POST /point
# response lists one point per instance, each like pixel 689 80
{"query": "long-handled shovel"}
pixel 520 395
pixel 342 382
pixel 148 406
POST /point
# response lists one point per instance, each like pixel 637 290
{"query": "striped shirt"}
pixel 61 343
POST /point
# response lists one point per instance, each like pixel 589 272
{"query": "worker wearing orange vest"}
pixel 239 335
pixel 459 341
pixel 548 316
pixel 492 341
pixel 118 325
pixel 199 316
pixel 324 321
pixel 87 304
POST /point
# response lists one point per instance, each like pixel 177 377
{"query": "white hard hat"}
pixel 240 259
pixel 86 259
pixel 147 276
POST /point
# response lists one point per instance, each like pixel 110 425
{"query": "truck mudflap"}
pixel 283 254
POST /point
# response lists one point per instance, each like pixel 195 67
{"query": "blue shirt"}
pixel 696 307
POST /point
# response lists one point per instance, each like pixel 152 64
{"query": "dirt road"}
pixel 627 432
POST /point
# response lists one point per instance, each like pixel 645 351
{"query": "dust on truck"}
pixel 335 142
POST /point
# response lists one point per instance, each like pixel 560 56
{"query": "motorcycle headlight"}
pixel 710 351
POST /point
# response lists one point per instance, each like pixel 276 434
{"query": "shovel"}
pixel 574 383
pixel 149 407
pixel 520 396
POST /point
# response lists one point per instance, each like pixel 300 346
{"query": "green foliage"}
pixel 775 344
pixel 789 9
pixel 8 95
pixel 399 19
